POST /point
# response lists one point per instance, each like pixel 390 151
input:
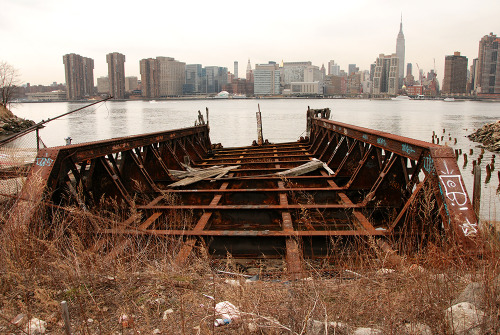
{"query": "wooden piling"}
pixel 476 195
pixel 65 317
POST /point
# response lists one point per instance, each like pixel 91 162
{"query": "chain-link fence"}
pixel 17 154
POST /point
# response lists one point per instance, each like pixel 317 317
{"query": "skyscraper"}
pixel 249 74
pixel 400 52
pixel 386 74
pixel 235 69
pixel 487 80
pixel 79 73
pixel 455 74
pixel 162 77
pixel 333 69
pixel 116 74
pixel 267 79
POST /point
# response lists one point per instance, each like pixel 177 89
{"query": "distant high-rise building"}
pixel 249 73
pixel 79 73
pixel 194 76
pixel 214 78
pixel 103 85
pixel 352 69
pixel 266 79
pixel 131 84
pixel 116 74
pixel 333 69
pixel 400 52
pixel 149 78
pixel 409 69
pixel 455 74
pixel 385 77
pixel 488 67
pixel 235 70
pixel 162 77
pixel 294 72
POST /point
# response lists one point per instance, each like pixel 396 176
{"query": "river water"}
pixel 233 123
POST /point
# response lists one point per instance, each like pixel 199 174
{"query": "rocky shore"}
pixel 488 135
pixel 11 124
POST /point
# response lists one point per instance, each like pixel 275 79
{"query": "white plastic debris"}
pixel 35 327
pixel 228 312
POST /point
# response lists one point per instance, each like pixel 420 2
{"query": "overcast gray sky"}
pixel 35 34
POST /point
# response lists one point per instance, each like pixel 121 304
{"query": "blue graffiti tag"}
pixel 365 137
pixel 381 141
pixel 407 148
pixel 428 164
pixel 44 161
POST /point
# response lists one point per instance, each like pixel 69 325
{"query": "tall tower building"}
pixel 386 74
pixel 333 69
pixel 162 77
pixel 235 69
pixel 249 74
pixel 455 74
pixel 400 52
pixel 487 79
pixel 116 74
pixel 79 73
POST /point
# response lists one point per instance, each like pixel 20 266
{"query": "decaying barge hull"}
pixel 374 184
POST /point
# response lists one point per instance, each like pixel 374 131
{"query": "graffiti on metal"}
pixel 43 161
pixel 454 191
pixel 428 164
pixel 453 187
pixel 407 148
pixel 381 141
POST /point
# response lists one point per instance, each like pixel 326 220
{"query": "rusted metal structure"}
pixel 371 184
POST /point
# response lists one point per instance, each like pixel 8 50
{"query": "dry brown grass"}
pixel 52 260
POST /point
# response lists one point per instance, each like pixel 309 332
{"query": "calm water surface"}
pixel 233 123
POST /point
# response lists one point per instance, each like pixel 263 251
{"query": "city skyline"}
pixel 353 33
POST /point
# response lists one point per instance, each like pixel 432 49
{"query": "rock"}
pixel 19 320
pixel 488 135
pixel 167 313
pixel 384 271
pixel 315 327
pixel 367 331
pixel 464 318
pixel 473 293
pixel 415 329
pixel 35 327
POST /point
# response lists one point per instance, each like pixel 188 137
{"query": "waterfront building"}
pixel 487 80
pixel 194 76
pixel 294 72
pixel 306 88
pixel 400 52
pixel 215 77
pixel 79 73
pixel 455 74
pixel 386 74
pixel 131 84
pixel 267 79
pixel 116 74
pixel 57 95
pixel 149 78
pixel 162 77
pixel 171 76
pixel 103 85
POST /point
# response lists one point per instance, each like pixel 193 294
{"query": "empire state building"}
pixel 400 52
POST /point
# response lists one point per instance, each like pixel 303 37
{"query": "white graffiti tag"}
pixel 469 228
pixel 454 189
